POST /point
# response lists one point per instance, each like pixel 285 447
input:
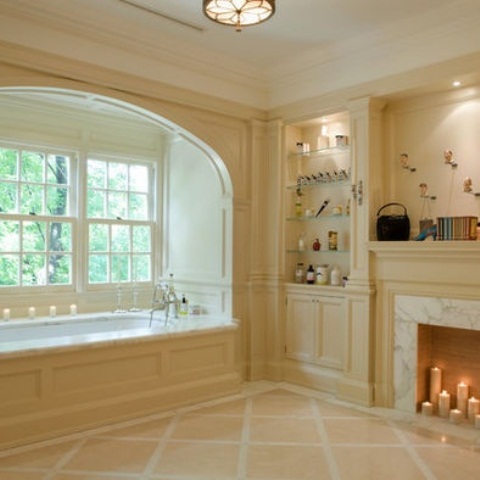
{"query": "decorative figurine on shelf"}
pixel 405 162
pixel 423 190
pixel 467 184
pixel 316 245
pixel 448 156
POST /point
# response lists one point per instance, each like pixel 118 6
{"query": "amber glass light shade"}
pixel 239 13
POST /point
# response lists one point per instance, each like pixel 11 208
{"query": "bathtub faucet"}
pixel 165 298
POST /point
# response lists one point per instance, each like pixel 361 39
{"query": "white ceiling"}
pixel 308 48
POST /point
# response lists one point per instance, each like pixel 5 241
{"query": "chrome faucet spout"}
pixel 165 298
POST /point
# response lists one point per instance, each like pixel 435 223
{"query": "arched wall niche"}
pixel 195 221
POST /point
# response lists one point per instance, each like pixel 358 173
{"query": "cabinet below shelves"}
pixel 315 329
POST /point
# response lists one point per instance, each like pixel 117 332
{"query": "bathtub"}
pixel 60 375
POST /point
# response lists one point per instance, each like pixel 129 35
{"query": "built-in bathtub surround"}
pixel 64 374
pixel 410 312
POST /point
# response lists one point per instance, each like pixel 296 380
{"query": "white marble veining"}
pixel 27 337
pixel 411 311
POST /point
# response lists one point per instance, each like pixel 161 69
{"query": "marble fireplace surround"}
pixel 409 312
pixel 436 283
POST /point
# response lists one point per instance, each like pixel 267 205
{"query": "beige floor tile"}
pixel 235 407
pixel 42 457
pixel 328 409
pixel 288 429
pixel 199 460
pixel 376 463
pixel 153 429
pixel 282 405
pixel 93 476
pixel 21 476
pixel 449 463
pixel 286 462
pixel 207 427
pixel 360 431
pixel 112 455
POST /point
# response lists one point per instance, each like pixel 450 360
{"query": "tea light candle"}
pixel 477 421
pixel 53 311
pixel 444 404
pixel 6 314
pixel 73 309
pixel 31 312
pixel 427 409
pixel 456 416
pixel 462 398
pixel 435 384
pixel 473 408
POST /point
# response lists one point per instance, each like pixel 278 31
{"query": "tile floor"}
pixel 269 432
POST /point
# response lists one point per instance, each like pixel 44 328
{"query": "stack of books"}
pixel 457 228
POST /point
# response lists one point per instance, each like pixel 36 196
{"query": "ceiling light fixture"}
pixel 239 13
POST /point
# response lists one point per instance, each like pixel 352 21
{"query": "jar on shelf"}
pixel 299 273
pixel 316 245
pixel 332 240
pixel 336 276
pixel 322 275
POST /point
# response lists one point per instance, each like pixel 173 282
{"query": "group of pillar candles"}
pixel 441 402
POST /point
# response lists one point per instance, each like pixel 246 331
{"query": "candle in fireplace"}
pixel 473 408
pixel 444 404
pixel 435 384
pixel 427 409
pixel 462 398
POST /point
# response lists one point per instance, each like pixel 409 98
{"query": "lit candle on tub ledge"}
pixel 73 309
pixel 462 398
pixel 456 416
pixel 6 314
pixel 31 313
pixel 435 384
pixel 473 408
pixel 444 404
pixel 427 409
pixel 477 421
pixel 53 311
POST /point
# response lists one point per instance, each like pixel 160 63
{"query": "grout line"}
pixel 162 443
pixel 244 441
pixel 424 468
pixel 327 449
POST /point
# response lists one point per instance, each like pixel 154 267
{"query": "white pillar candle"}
pixel 462 398
pixel 435 384
pixel 427 409
pixel 6 314
pixel 456 416
pixel 473 408
pixel 31 312
pixel 53 311
pixel 477 421
pixel 73 309
pixel 444 404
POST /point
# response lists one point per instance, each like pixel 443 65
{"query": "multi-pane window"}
pixel 35 219
pixel 119 221
pixel 39 226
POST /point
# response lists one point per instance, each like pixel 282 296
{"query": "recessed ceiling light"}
pixel 456 83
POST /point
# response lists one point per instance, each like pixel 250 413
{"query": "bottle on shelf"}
pixel 316 245
pixel 301 242
pixel 310 275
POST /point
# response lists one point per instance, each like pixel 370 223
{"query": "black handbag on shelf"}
pixel 393 227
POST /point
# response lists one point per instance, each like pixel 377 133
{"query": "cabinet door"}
pixel 300 344
pixel 315 329
pixel 329 331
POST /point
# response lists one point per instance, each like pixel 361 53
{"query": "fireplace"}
pixel 434 332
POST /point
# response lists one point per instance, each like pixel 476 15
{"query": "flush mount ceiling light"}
pixel 239 13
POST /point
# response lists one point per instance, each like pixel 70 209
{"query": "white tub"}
pixel 23 336
pixel 64 374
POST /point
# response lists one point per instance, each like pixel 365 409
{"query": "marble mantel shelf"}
pixel 450 248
